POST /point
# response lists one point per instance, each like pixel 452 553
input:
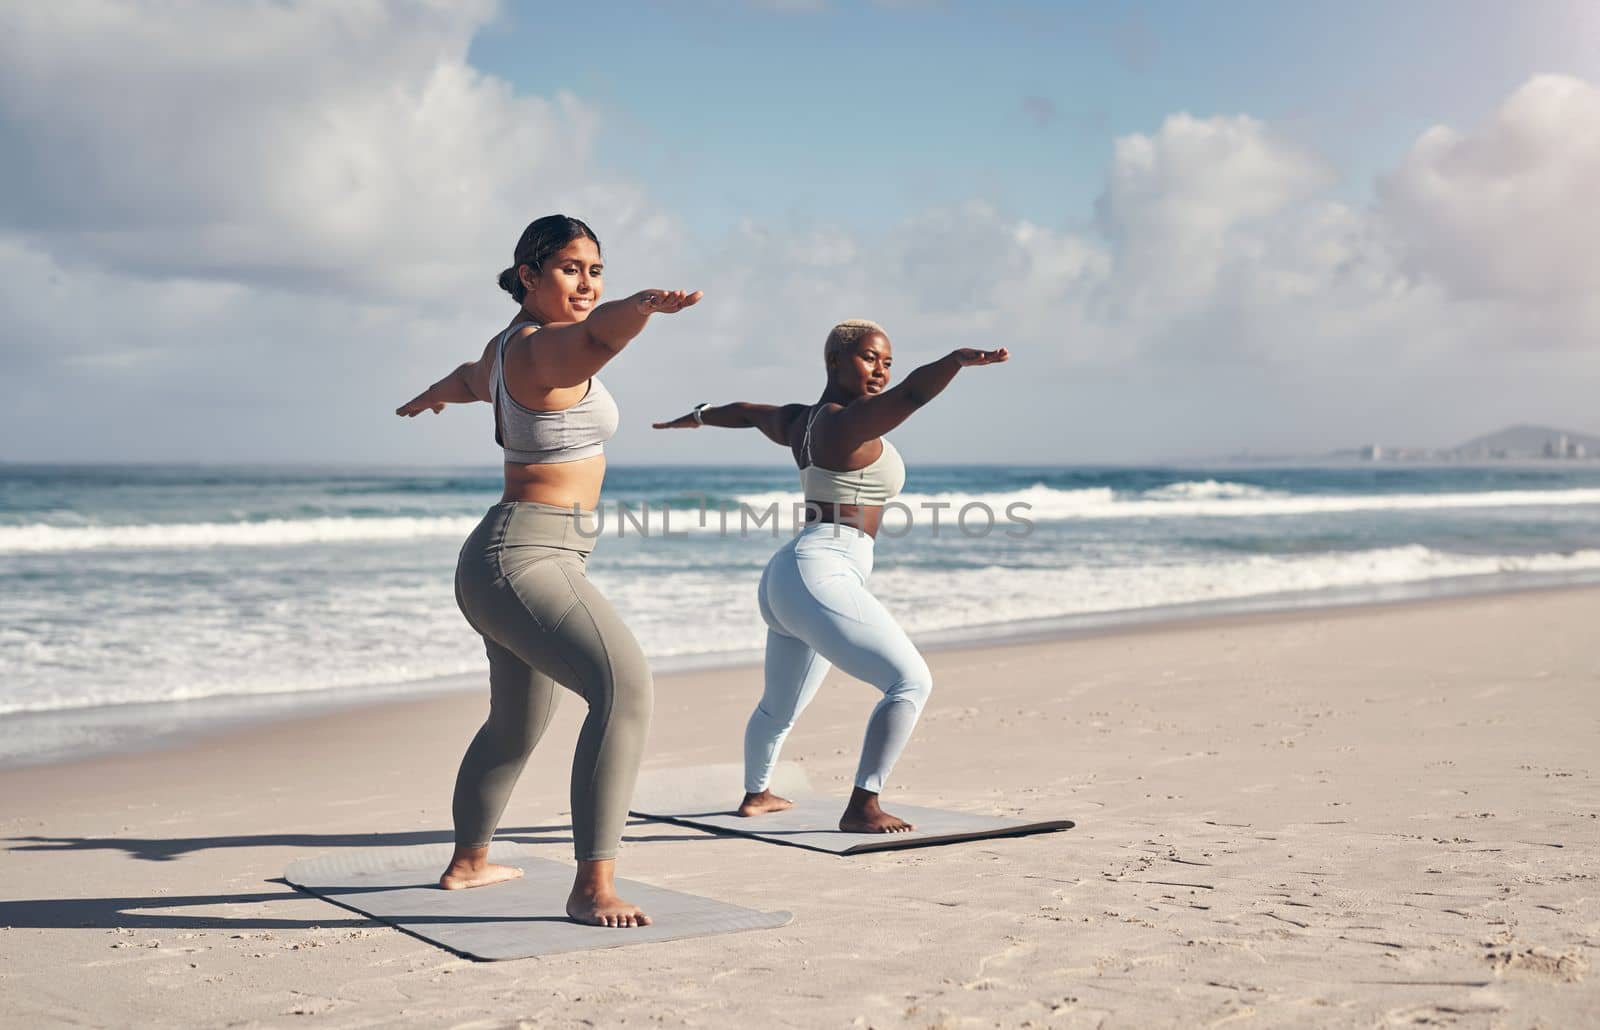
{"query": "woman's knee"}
pixel 776 718
pixel 609 667
pixel 915 683
pixel 634 699
pixel 632 687
pixel 511 738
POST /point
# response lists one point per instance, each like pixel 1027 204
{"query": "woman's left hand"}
pixel 417 405
pixel 665 302
pixel 681 422
pixel 969 356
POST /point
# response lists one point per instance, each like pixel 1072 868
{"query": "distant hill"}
pixel 1524 442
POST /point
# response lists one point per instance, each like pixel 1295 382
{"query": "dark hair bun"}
pixel 512 285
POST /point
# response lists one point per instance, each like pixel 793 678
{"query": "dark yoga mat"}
pixel 517 919
pixel 683 796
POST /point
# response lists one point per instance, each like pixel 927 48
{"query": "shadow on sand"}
pixel 163 911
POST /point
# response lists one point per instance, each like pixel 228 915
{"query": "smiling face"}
pixel 568 285
pixel 863 370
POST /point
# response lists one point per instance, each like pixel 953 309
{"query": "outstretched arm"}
pixel 570 352
pixel 772 419
pixel 870 417
pixel 469 382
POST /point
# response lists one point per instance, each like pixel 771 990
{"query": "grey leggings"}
pixel 520 583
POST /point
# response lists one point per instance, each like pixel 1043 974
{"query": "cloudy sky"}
pixel 246 231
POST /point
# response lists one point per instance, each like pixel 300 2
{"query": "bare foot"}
pixel 470 867
pixel 762 803
pixel 603 908
pixel 594 898
pixel 862 815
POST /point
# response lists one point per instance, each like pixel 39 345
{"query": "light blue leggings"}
pixel 818 612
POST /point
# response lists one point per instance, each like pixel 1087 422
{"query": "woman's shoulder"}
pixel 520 330
pixel 512 334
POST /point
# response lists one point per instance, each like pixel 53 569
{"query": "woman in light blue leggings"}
pixel 819 614
pixel 813 595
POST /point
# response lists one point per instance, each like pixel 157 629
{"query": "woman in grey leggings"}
pixel 813 594
pixel 520 580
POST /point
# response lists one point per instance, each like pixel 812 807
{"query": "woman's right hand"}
pixel 681 422
pixel 417 405
pixel 966 356
pixel 665 302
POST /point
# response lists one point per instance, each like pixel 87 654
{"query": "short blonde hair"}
pixel 847 334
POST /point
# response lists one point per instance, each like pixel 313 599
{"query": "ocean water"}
pixel 125 590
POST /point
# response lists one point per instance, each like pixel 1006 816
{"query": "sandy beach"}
pixel 1360 817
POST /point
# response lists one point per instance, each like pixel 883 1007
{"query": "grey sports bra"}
pixel 874 484
pixel 532 437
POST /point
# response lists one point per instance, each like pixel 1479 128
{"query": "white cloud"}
pixel 1179 206
pixel 311 146
pixel 1512 209
pixel 1197 177
pixel 249 231
pixel 1224 294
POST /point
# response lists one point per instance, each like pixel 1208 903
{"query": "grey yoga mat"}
pixel 516 919
pixel 704 797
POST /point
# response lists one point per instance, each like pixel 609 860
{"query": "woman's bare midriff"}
pixel 563 484
pixel 865 517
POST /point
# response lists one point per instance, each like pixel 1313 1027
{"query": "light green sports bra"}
pixel 874 484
